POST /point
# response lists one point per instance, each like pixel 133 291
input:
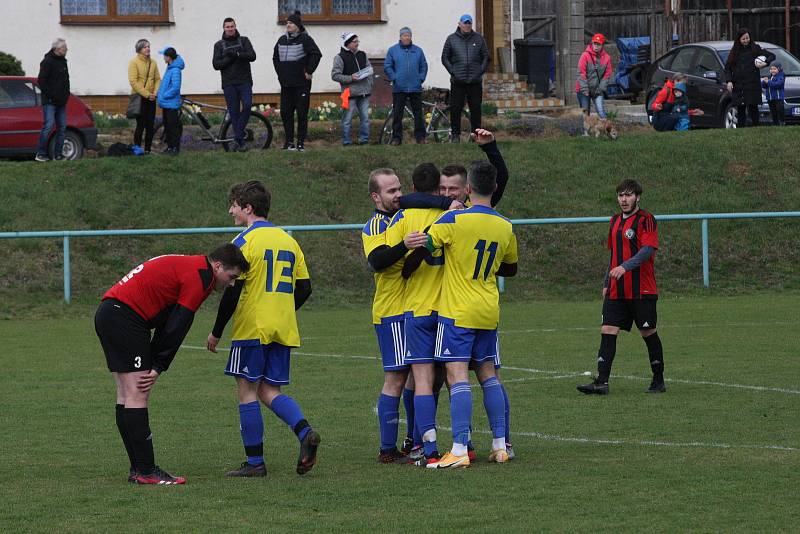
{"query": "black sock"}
pixel 123 432
pixel 656 353
pixel 138 424
pixel 605 356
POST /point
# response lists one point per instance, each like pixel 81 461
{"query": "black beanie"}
pixel 295 18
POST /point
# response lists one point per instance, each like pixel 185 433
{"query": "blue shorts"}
pixel 456 344
pixel 255 362
pixel 391 342
pixel 420 339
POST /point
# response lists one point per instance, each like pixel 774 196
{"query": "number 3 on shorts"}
pixel 137 362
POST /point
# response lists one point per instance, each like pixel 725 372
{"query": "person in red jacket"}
pixel 161 294
pixel 594 71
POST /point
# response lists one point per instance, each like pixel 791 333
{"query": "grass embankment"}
pixel 703 171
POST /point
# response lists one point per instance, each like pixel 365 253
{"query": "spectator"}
pixel 169 98
pixel 232 57
pixel 54 84
pixel 773 85
pixel 296 57
pixel 466 57
pixel 663 119
pixel 744 79
pixel 594 71
pixel 351 68
pixel 681 107
pixel 145 79
pixel 405 66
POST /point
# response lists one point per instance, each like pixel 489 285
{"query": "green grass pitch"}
pixel 718 452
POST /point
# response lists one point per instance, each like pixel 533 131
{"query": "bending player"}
pixel 162 294
pixel 263 305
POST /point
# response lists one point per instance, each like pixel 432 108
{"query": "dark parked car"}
pixel 704 63
pixel 21 120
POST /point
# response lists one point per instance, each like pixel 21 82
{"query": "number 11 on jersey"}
pixel 481 247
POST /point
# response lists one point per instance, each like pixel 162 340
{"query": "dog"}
pixel 596 127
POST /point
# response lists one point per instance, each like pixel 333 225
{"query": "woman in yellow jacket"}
pixel 144 78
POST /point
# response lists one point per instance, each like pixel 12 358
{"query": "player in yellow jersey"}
pixel 262 303
pixel 479 245
pixel 420 303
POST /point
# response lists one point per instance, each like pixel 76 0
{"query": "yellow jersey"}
pixel 389 283
pixel 476 241
pixel 265 311
pixel 421 296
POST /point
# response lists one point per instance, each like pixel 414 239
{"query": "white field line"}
pixel 560 374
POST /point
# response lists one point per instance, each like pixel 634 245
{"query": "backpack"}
pixel 121 149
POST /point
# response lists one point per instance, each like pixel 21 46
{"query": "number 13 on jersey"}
pixel 281 261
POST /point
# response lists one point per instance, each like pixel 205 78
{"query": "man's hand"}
pixel 585 92
pixel 456 205
pixel 415 240
pixel 354 77
pixel 307 75
pixel 151 97
pixel 657 106
pixel 617 272
pixel 482 136
pixel 146 381
pixel 730 87
pixel 211 343
pixel 605 291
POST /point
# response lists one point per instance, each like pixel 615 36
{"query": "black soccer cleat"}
pixel 408 446
pixel 424 460
pixel 656 387
pixel 392 456
pixel 132 476
pixel 308 452
pixel 596 387
pixel 248 470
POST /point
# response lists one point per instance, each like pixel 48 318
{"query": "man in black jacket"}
pixel 232 56
pixel 296 57
pixel 466 57
pixel 54 84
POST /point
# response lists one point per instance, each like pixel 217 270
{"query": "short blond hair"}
pixel 372 184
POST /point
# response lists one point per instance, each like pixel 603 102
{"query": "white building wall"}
pixel 98 55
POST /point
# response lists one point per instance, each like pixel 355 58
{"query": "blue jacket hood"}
pixel 177 64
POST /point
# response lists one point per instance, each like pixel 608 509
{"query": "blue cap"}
pixel 680 86
pixel 466 17
pixel 777 64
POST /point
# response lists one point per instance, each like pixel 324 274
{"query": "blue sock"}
pixel 461 411
pixel 507 411
pixel 408 402
pixel 425 415
pixel 388 415
pixel 290 413
pixel 495 405
pixel 251 425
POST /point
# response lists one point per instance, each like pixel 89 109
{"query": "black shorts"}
pixel 124 336
pixel 623 313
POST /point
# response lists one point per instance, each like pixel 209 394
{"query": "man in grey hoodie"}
pixel 351 68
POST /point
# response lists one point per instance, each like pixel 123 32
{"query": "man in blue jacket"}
pixel 406 68
pixel 169 99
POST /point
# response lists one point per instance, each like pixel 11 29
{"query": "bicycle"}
pixel 258 131
pixel 437 119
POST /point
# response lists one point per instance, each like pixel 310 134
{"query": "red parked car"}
pixel 21 120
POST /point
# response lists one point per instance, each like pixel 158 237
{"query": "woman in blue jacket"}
pixel 169 99
pixel 405 66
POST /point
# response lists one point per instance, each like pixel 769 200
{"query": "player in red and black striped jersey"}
pixel 161 294
pixel 629 288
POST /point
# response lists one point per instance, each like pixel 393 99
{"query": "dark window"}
pixel 17 94
pixel 114 11
pixel 331 11
pixel 706 61
pixel 683 60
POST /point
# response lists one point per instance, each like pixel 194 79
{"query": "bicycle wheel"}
pixel 408 128
pixel 159 143
pixel 386 130
pixel 441 128
pixel 258 132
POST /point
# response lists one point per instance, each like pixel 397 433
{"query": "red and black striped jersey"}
pixel 626 237
pixel 153 288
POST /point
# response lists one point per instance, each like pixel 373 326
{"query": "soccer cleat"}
pixel 308 452
pixel 132 476
pixel 423 461
pixel 417 453
pixel 656 387
pixel 408 446
pixel 248 470
pixel 392 456
pixel 595 387
pixel 499 456
pixel 450 461
pixel 160 477
pixel 510 451
pixel 471 453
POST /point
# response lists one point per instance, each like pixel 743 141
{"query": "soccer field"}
pixel 719 451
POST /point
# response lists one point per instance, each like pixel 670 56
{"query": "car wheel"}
pixel 636 79
pixel 730 119
pixel 73 146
